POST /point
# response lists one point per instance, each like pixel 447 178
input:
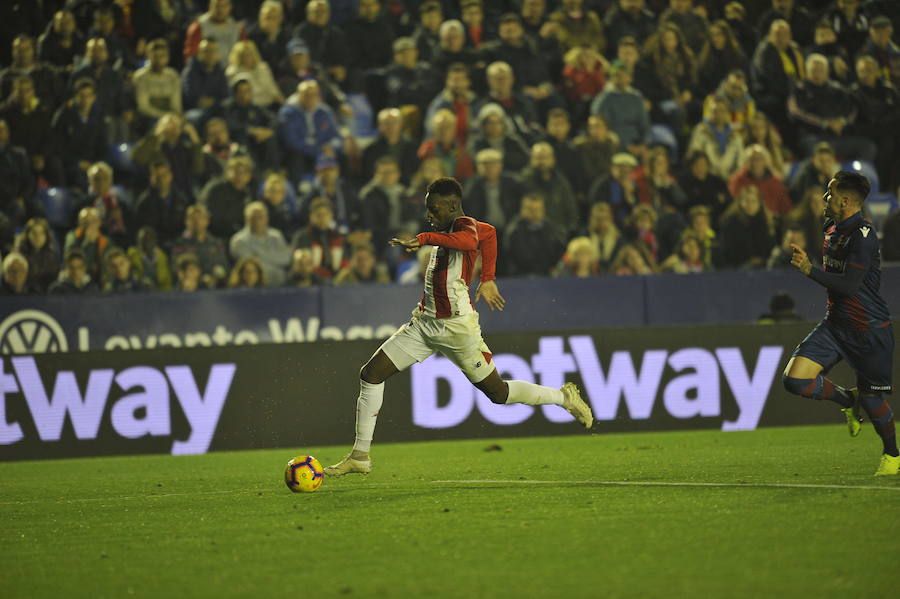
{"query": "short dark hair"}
pixel 82 83
pixel 446 187
pixel 558 112
pixel 75 254
pixel 387 159
pixel 458 67
pixel 853 182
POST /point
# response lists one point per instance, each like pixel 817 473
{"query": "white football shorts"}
pixel 457 337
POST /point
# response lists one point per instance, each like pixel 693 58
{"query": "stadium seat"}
pixel 124 195
pixel 58 207
pixel 662 134
pixel 119 156
pixel 867 169
pixel 363 116
pixel 879 205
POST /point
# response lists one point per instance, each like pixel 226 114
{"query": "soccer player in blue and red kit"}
pixel 445 322
pixel 857 325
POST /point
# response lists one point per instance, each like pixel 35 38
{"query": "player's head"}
pixel 847 192
pixel 443 200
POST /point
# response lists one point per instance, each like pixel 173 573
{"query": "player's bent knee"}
pixel 795 385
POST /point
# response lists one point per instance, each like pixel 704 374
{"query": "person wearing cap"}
pixel 308 129
pixel 623 108
pixel 494 131
pixel 618 188
pixel 327 44
pixel 879 118
pixel 881 47
pixel 492 195
pixel 269 33
pixel 391 142
pixel 824 111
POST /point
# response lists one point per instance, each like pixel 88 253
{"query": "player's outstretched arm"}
pixel 845 283
pixel 410 245
pixel 488 290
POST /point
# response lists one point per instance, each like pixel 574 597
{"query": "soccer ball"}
pixel 304 474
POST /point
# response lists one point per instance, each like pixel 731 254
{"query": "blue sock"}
pixel 818 388
pixel 879 411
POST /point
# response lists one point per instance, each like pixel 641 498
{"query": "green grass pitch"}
pixel 224 524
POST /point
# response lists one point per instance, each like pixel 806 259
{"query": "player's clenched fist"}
pixel 800 260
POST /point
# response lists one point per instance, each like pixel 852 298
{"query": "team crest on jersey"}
pixel 865 231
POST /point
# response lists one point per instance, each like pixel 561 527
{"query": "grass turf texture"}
pixel 225 525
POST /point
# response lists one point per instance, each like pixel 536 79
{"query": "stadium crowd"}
pixel 180 144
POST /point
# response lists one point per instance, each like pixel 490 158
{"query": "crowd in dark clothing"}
pixel 202 144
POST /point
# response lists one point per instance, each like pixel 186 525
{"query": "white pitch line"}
pixel 626 483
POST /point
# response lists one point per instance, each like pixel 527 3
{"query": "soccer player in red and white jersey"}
pixel 445 321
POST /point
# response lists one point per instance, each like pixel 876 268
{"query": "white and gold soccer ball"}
pixel 304 474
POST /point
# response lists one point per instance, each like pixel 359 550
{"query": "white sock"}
pixel 367 406
pixel 533 395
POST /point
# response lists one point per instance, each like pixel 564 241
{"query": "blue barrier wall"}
pixel 38 324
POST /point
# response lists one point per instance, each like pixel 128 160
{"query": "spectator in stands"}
pixel 757 171
pixel 407 82
pixel 596 149
pixel 807 215
pixel 206 250
pixel 658 188
pixel 623 109
pixel 519 107
pixel 495 132
pixel 454 50
pixel 827 45
pixel 327 43
pixel 666 75
pixel 74 278
pixel 149 262
pixel 385 208
pixel 719 139
pixel 883 50
pixel 119 276
pixel 688 258
pixel 251 125
pixel 532 245
pixel 781 255
pixel 218 24
pixel 746 232
pixel 640 228
pixel 189 275
pixel 245 62
pixel 269 33
pixel 701 226
pixel 823 110
pixel 370 38
pixel 80 133
pixel 577 26
pixel 308 129
pixel 628 18
pixel 617 189
pixel 536 25
pixel 61 43
pixel 761 131
pixel 248 273
pixel 391 142
pixel 298 67
pixel 733 92
pixel 429 170
pixel 203 82
pixel 604 234
pixel 543 177
pixel 48 84
pixel 322 239
pixel 259 240
pixel 458 98
pixel 492 195
pixel 162 206
pixel 721 55
pixel 691 23
pixel 157 87
pixel 444 144
pixel 815 171
pixel 176 142
pixel 302 272
pixel 735 15
pixel 226 196
pixel 38 245
pixel 477 31
pixel 702 187
pixel 104 26
pixel 219 148
pixel 15 275
pixel 283 210
pixel 878 119
pixel 425 37
pixel 568 159
pixel 580 260
pixel 781 310
pixel 850 23
pixel 798 17
pixel 88 238
pixel 777 65
pixel 890 241
pixel 524 57
pixel 363 268
pixel 114 212
pixel 339 191
pixel 633 259
pixel 29 119
pixel 110 86
pixel 584 76
pixel 16 183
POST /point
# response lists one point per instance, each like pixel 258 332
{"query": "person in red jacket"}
pixel 757 170
pixel 445 321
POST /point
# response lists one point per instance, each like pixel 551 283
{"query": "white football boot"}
pixel 349 466
pixel 575 406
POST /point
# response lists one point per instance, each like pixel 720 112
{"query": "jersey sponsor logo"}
pixel 31 332
pixel 136 401
pixel 833 263
pixel 688 383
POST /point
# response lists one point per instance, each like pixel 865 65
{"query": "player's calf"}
pixel 818 388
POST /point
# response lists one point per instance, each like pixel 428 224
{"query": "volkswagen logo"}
pixel 31 332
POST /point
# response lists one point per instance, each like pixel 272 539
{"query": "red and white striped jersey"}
pixel 450 268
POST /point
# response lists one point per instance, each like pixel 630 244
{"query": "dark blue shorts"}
pixel 869 353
